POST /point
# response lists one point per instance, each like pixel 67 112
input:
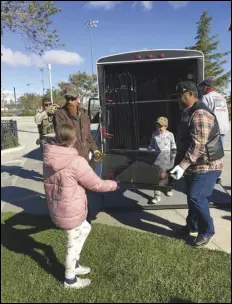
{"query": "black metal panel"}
pixel 134 169
pixel 9 134
pixel 120 111
pixel 168 54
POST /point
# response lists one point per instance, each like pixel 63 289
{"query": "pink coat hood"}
pixel 66 176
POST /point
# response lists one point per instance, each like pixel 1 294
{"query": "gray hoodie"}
pixel 217 104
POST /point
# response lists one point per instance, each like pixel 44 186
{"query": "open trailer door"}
pixel 134 90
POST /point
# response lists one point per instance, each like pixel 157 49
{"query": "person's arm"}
pixel 208 102
pixel 91 143
pixel 57 120
pixel 89 179
pixel 152 143
pixel 201 126
pixel 39 117
pixel 173 143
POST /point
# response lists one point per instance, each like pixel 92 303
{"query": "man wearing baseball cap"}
pixel 200 157
pixel 73 114
pixel 44 121
pixel 218 105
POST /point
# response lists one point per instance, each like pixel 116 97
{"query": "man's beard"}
pixel 72 110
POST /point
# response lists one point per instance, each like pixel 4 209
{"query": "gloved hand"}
pixel 49 109
pixel 98 154
pixel 52 108
pixel 177 172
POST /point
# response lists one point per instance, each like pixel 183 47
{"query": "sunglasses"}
pixel 47 104
pixel 71 98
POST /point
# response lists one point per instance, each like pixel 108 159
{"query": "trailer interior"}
pixel 137 94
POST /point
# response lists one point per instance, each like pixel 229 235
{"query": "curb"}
pixel 19 148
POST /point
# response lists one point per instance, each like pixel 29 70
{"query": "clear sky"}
pixel 122 26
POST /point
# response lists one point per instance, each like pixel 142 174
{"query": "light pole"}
pixel 91 24
pixel 42 70
pixel 50 80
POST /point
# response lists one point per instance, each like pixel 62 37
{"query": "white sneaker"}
pixel 170 193
pixel 79 284
pixel 156 199
pixel 81 270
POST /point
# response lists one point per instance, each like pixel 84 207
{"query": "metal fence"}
pixel 9 134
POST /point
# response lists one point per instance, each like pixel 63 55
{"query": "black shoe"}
pixel 202 241
pixel 219 181
pixel 185 231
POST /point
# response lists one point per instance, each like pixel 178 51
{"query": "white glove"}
pixel 177 172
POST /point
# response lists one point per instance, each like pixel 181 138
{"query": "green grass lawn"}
pixel 127 266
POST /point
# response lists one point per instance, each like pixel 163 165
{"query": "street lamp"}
pixel 91 24
pixel 42 70
pixel 50 80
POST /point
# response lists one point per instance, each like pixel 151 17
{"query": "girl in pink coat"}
pixel 66 176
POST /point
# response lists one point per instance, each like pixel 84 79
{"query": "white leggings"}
pixel 75 241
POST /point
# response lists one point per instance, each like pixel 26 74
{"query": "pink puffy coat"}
pixel 66 176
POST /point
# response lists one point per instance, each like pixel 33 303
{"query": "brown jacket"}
pixel 84 141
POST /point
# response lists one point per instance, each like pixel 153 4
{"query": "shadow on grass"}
pixel 179 301
pixel 21 241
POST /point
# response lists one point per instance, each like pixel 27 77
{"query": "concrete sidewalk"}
pixel 22 191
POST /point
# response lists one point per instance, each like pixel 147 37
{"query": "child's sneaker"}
pixel 77 283
pixel 170 193
pixel 157 197
pixel 81 270
pixel 156 200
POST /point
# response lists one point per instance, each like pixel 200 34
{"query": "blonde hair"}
pixel 162 121
pixel 65 135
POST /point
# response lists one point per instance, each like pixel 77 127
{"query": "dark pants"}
pixel 42 143
pixel 199 188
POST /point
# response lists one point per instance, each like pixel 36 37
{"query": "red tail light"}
pixel 137 57
pixel 105 134
pixel 149 56
pixel 103 131
pixel 160 55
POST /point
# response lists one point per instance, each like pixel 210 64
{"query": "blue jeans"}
pixel 223 142
pixel 223 139
pixel 199 188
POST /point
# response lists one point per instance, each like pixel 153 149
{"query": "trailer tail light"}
pixel 160 55
pixel 103 131
pixel 137 57
pixel 149 56
pixel 105 134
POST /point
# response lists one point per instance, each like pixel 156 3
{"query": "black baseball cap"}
pixel 185 86
pixel 207 83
